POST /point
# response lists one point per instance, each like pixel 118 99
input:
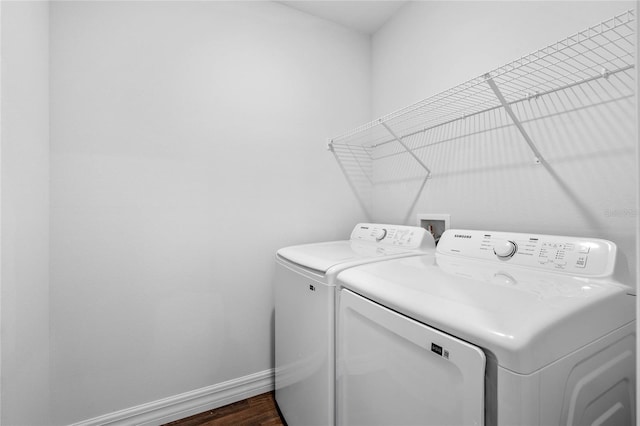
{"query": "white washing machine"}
pixel 493 329
pixel 305 313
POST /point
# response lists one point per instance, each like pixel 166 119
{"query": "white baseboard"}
pixel 189 403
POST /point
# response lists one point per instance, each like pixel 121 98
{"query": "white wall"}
pixel 25 213
pixel 488 180
pixel 187 145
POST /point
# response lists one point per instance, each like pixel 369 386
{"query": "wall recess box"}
pixel 436 223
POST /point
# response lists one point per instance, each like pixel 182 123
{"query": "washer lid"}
pixel 322 256
pixel 527 319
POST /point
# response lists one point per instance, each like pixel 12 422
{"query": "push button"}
pixel 581 262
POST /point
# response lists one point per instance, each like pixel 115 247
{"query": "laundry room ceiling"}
pixel 364 16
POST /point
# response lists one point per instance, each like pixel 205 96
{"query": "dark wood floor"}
pixel 257 411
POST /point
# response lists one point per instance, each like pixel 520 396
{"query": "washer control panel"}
pixel 412 237
pixel 576 256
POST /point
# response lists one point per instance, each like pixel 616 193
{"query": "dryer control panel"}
pixel 576 256
pixel 412 237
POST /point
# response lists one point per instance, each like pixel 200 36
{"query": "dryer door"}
pixel 393 370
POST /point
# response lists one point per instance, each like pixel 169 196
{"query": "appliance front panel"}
pixel 394 370
pixel 304 348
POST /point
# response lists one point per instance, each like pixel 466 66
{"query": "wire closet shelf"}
pixel 599 52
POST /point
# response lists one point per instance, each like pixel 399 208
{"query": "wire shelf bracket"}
pixel 409 150
pixel 538 159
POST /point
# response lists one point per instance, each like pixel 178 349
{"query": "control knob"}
pixel 505 249
pixel 380 234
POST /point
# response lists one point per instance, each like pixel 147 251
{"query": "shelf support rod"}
pixel 538 157
pixel 399 139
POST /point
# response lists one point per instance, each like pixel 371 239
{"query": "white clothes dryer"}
pixel 493 329
pixel 305 313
